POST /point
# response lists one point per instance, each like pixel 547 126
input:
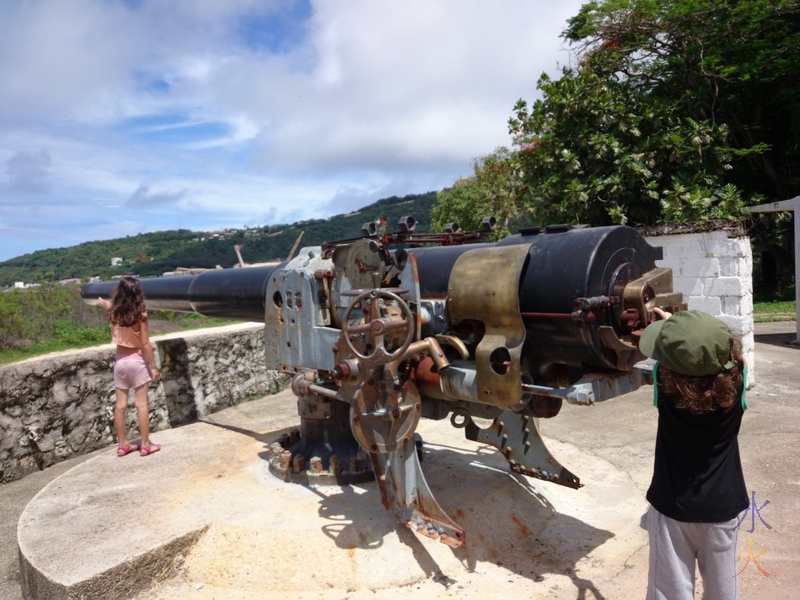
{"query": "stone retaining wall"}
pixel 58 406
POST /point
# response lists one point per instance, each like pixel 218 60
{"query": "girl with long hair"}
pixel 135 366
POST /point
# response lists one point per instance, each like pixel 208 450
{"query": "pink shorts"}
pixel 131 371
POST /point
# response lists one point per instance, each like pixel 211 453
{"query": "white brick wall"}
pixel 714 272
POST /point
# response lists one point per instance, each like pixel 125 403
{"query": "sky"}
pixel 120 117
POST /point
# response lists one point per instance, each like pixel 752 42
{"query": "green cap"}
pixel 689 342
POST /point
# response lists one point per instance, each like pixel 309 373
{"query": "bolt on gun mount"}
pixel 383 330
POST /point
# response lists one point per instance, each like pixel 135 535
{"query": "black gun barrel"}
pixel 565 264
pixel 237 294
pixel 564 268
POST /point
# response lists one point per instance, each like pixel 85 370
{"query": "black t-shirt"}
pixel 697 477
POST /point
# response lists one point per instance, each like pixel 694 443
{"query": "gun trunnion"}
pixel 380 331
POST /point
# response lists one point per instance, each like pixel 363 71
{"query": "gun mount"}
pixel 380 331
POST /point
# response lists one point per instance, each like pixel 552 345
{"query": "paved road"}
pixel 610 448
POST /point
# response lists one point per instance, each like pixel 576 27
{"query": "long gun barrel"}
pixel 226 293
pixel 383 330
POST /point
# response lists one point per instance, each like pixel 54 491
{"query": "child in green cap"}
pixel 698 486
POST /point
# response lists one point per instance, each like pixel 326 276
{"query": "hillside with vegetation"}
pixel 153 254
pixel 51 317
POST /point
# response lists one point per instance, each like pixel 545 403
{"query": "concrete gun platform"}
pixel 204 518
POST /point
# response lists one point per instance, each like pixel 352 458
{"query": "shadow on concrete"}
pixel 265 438
pixel 508 520
pixel 784 340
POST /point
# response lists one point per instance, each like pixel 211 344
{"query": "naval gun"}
pixel 380 331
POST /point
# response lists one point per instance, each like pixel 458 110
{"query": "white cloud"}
pixel 221 112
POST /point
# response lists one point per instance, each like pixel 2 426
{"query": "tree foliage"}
pixel 721 61
pixel 677 111
pixel 493 190
pixel 593 151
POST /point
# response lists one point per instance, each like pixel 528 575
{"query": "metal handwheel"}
pixel 377 326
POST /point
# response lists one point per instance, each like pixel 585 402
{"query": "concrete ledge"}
pixel 121 581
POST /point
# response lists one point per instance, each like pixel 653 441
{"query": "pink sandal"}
pixel 150 449
pixel 126 449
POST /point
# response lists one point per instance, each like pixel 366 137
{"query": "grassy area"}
pixel 65 336
pixel 769 312
pixel 68 336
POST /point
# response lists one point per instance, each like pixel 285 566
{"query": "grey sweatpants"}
pixel 676 546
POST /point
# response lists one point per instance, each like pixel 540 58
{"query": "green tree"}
pixel 594 150
pixel 676 110
pixel 729 67
pixel 722 61
pixel 493 190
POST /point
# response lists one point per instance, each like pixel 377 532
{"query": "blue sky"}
pixel 120 117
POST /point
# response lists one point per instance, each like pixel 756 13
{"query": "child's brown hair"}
pixel 703 394
pixel 127 305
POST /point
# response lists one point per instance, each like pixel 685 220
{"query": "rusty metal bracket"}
pixel 403 487
pixel 597 387
pixel 381 417
pixel 516 436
